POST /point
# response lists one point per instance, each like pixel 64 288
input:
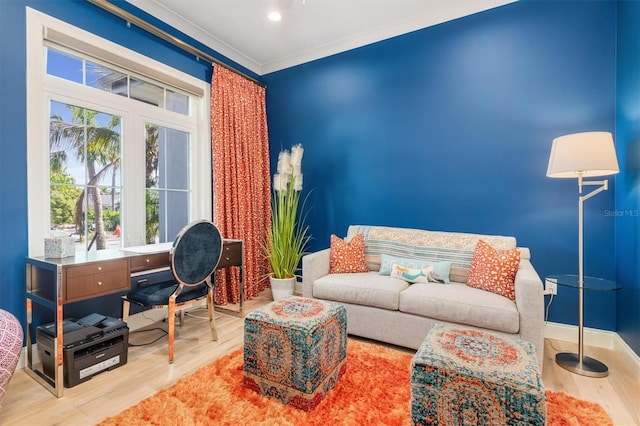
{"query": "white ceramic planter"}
pixel 282 287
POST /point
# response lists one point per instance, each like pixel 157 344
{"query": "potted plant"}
pixel 288 236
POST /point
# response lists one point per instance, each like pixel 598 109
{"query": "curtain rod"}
pixel 130 18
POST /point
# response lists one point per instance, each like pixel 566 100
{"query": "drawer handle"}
pixel 99 282
pixel 99 268
pixel 147 260
pixel 227 258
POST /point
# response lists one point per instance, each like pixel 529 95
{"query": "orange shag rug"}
pixel 375 390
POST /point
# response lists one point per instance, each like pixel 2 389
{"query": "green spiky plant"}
pixel 289 235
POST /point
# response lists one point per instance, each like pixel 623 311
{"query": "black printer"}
pixel 91 344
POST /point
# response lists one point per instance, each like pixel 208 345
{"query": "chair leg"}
pixel 125 311
pixel 171 321
pixel 212 318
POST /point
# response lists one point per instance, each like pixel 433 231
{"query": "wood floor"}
pixel 147 371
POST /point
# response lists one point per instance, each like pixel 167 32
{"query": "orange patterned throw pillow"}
pixel 494 271
pixel 347 257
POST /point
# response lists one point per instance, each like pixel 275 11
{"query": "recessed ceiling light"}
pixel 274 16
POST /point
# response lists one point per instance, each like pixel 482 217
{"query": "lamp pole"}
pixel 578 363
pixel 581 155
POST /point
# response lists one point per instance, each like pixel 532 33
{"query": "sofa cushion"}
pixel 347 256
pixel 365 288
pixel 454 247
pixel 411 275
pixel 440 269
pixel 494 271
pixel 461 304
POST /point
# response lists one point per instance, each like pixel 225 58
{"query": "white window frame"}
pixel 42 88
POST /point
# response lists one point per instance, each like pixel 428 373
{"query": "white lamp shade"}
pixel 587 154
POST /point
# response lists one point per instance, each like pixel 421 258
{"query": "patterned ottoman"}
pixel 466 377
pixel 295 350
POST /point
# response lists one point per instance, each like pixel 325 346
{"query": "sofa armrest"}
pixel 314 266
pixel 530 304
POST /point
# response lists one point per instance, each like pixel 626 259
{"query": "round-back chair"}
pixel 194 257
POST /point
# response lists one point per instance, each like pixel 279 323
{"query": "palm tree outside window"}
pixel 84 169
pixel 85 150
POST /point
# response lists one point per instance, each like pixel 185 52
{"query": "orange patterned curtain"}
pixel 241 178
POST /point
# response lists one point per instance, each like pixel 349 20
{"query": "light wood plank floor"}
pixel 147 371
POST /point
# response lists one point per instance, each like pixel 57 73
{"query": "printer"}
pixel 90 345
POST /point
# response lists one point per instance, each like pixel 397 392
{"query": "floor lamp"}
pixel 582 155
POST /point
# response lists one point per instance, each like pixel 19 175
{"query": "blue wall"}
pixel 445 128
pixel 13 152
pixel 628 181
pixel 450 128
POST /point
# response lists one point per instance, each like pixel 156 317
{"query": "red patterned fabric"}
pixel 494 271
pixel 241 178
pixel 348 257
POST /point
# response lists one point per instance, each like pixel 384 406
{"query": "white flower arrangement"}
pixel 288 236
pixel 289 169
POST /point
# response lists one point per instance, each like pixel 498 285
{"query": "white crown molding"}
pixel 192 30
pixel 452 10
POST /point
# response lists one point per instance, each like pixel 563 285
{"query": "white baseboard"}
pixel 569 333
pixel 619 345
pixel 592 337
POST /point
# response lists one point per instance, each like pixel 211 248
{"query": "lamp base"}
pixel 587 367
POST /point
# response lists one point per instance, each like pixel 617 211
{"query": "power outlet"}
pixel 550 286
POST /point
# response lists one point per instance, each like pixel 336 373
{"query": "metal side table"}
pixel 579 363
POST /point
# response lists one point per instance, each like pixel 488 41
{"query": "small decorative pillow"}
pixel 494 271
pixel 439 272
pixel 411 275
pixel 347 257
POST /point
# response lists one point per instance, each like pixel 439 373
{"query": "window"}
pixel 128 155
pixel 84 169
pixel 167 182
pixel 89 73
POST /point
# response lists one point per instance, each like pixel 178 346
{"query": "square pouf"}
pixel 461 376
pixel 295 350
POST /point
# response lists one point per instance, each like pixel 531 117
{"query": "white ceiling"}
pixel 309 29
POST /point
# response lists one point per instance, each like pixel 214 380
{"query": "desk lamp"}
pixel 582 155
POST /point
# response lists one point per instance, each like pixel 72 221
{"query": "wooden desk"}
pixel 52 283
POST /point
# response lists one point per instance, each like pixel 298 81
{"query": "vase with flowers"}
pixel 288 236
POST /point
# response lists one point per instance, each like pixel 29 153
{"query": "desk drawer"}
pixel 231 254
pixel 96 268
pixel 150 261
pixel 84 282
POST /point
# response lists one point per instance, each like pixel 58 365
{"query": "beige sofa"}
pixel 391 310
